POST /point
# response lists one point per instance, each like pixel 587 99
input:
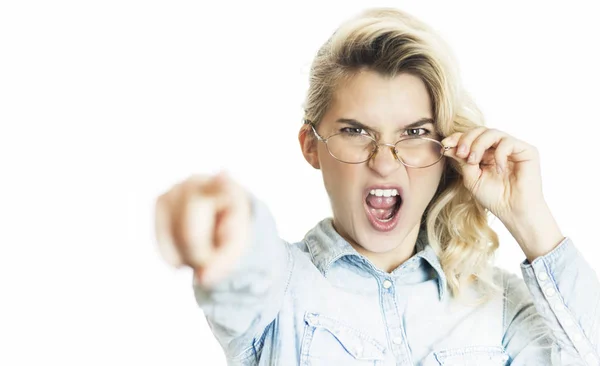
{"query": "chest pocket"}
pixel 327 341
pixel 472 356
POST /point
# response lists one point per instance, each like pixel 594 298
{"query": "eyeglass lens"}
pixel 355 148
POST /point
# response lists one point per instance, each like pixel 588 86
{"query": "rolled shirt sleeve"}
pixel 552 315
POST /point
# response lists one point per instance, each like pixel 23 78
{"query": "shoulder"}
pixel 301 256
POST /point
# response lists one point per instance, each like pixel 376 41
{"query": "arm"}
pixel 552 316
pixel 504 176
pixel 240 307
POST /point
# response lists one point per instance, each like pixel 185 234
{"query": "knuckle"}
pixel 476 130
pixel 468 138
pixel 454 138
pixel 196 179
pixel 192 183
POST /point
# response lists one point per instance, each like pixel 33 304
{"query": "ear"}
pixel 308 144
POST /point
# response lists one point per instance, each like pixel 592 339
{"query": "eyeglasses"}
pixel 355 148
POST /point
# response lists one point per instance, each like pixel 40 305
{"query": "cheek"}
pixel 341 180
pixel 425 182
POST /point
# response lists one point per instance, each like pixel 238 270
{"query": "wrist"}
pixel 536 231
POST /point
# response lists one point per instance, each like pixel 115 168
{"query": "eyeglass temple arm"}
pixel 309 122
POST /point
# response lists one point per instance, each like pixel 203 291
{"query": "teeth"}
pixel 384 192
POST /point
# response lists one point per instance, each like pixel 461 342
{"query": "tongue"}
pixel 382 207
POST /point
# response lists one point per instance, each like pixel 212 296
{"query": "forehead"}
pixel 379 100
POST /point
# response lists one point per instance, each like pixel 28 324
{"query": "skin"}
pixel 503 174
pixel 203 222
pixel 386 105
pixel 500 171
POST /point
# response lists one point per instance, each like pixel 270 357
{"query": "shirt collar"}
pixel 326 246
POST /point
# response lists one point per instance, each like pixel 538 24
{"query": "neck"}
pixel 392 259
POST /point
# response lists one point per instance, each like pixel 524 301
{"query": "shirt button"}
pixel 550 291
pixel 558 306
pixel 542 276
pixel 397 340
pixel 387 284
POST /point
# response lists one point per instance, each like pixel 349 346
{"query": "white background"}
pixel 104 105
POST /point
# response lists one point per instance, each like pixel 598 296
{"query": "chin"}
pixel 381 242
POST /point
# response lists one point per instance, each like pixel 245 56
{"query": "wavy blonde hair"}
pixel 389 41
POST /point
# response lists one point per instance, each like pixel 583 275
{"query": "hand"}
pixel 203 222
pixel 504 175
pixel 502 172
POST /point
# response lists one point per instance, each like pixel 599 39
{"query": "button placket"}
pixel 394 321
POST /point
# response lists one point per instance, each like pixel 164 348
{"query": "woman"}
pixel 401 274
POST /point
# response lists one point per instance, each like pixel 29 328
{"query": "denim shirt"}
pixel 319 302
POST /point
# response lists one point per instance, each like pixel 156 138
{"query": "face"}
pixel 385 106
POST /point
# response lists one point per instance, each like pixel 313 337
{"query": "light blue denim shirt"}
pixel 319 302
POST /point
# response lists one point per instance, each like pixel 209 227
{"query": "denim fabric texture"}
pixel 319 302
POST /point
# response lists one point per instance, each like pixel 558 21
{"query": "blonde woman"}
pixel 401 274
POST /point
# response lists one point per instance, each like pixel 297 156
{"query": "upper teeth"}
pixel 384 192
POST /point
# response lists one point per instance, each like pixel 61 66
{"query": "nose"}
pixel 382 162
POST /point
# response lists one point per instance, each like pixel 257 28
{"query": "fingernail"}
pixel 499 169
pixel 462 149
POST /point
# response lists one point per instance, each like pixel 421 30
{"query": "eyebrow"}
pixel 355 123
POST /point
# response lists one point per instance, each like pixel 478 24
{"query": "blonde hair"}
pixel 389 41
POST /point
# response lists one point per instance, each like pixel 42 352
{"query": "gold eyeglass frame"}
pixel 376 148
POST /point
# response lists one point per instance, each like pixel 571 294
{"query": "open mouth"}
pixel 383 207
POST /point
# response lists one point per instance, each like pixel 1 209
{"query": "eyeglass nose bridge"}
pixel 391 146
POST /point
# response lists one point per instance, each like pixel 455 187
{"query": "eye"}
pixel 415 132
pixel 353 131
